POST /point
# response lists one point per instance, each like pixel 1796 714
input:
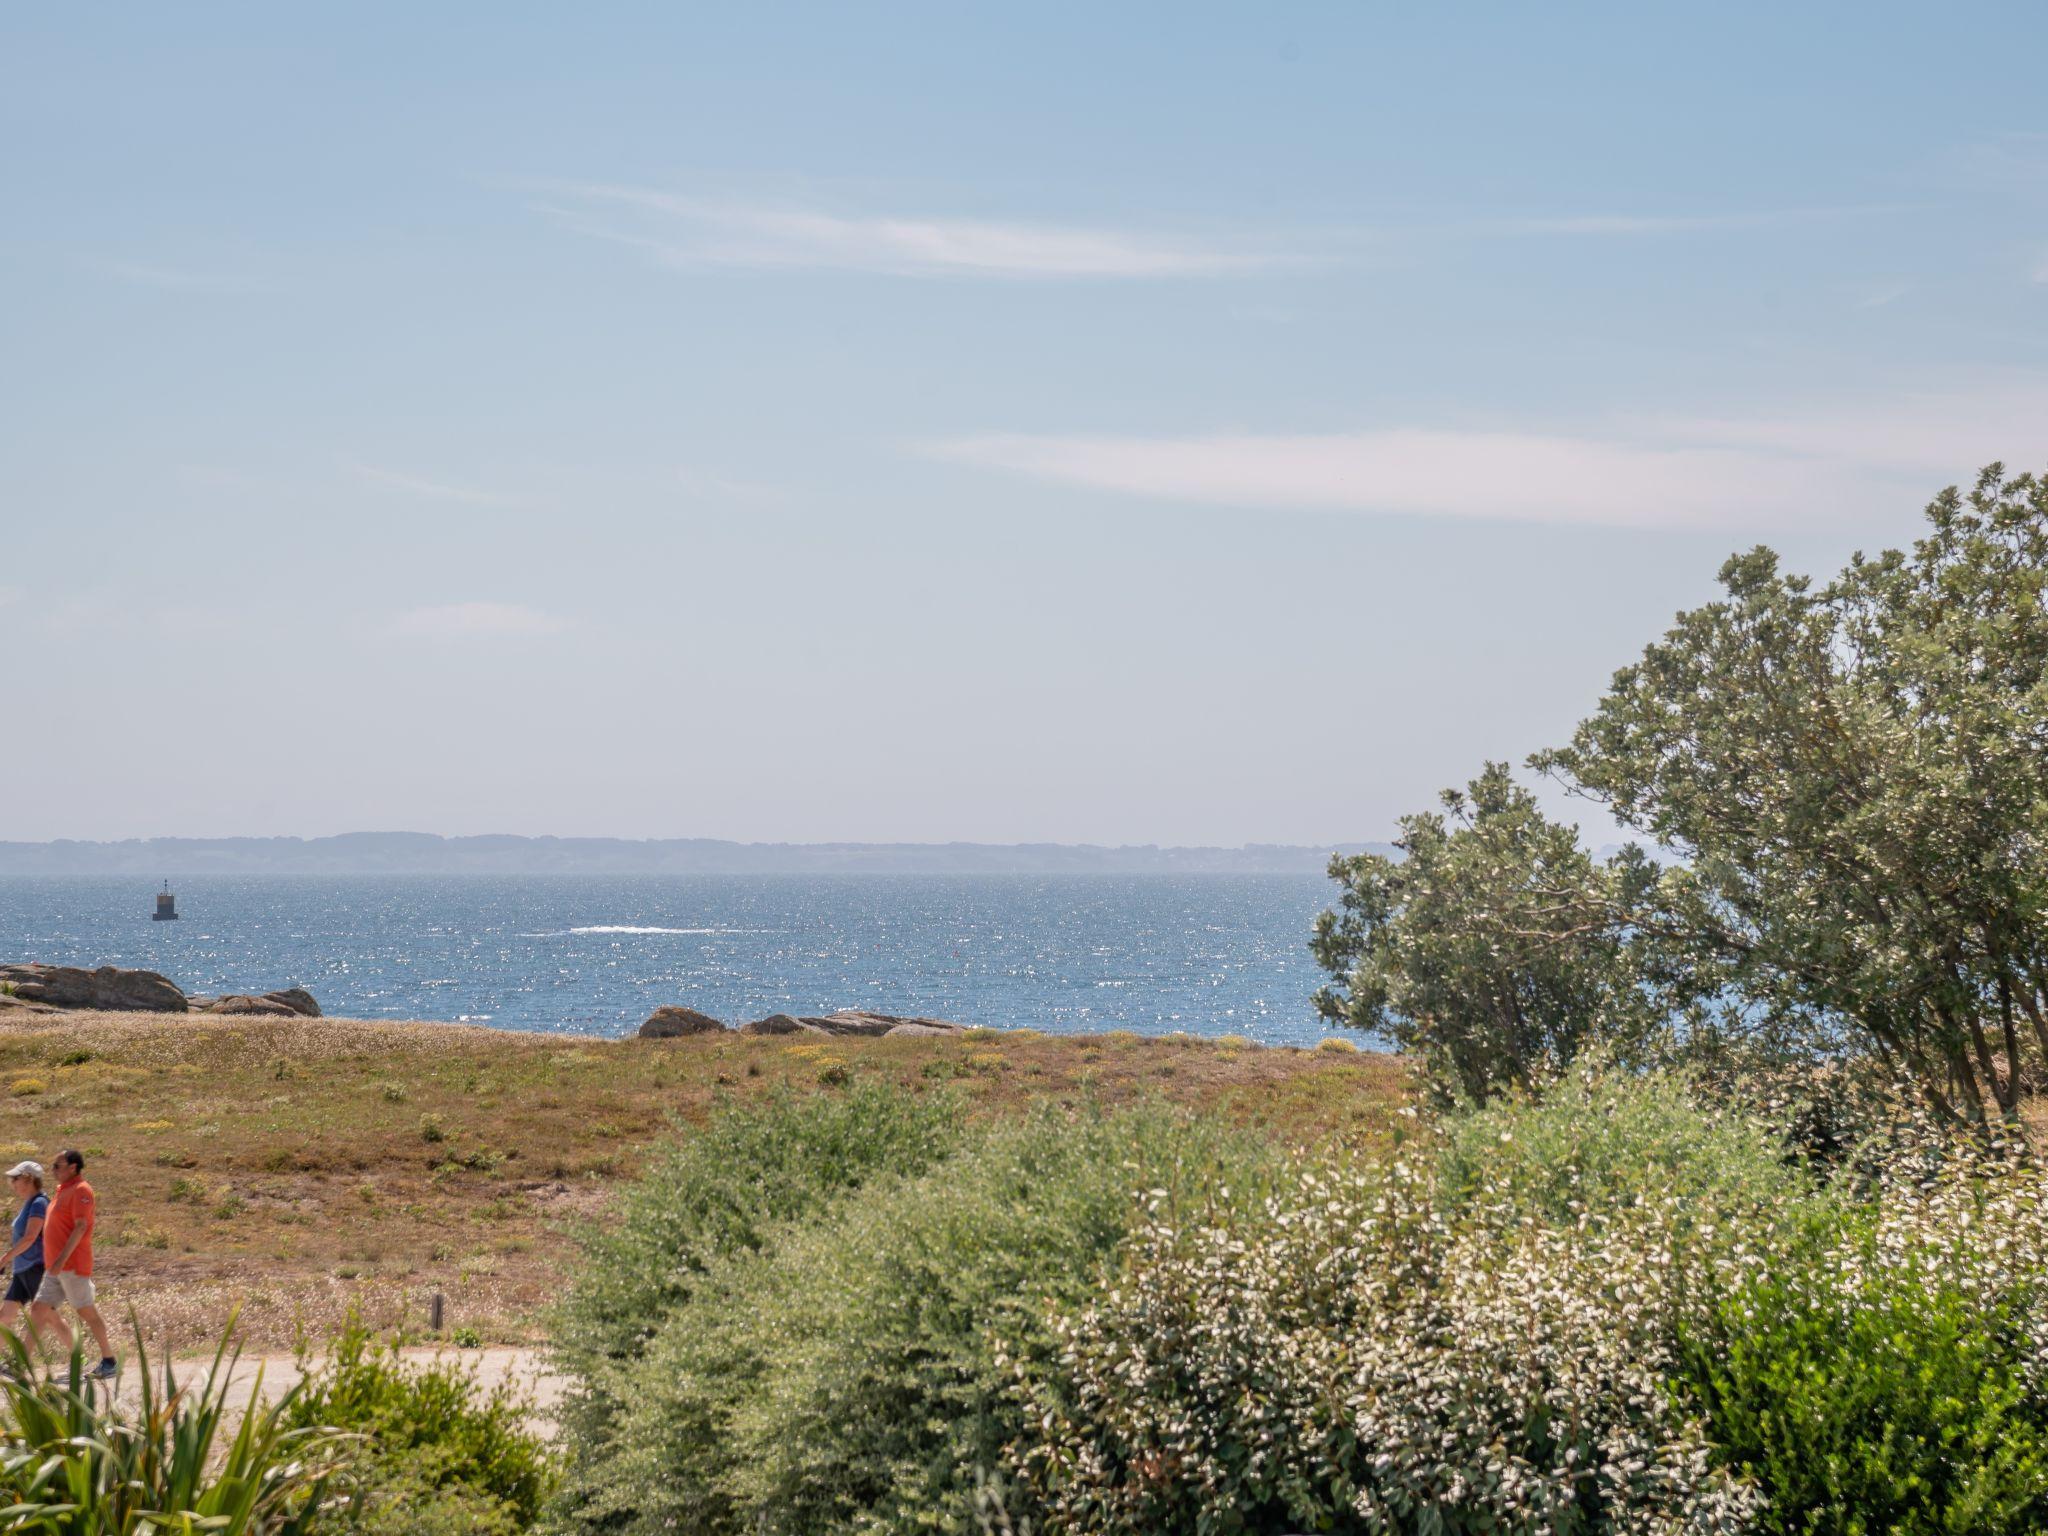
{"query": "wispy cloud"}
pixel 711 486
pixel 1673 223
pixel 1876 294
pixel 431 490
pixel 2041 270
pixel 692 231
pixel 144 274
pixel 1665 473
pixel 464 621
pixel 678 229
pixel 1511 476
pixel 1627 224
pixel 1941 432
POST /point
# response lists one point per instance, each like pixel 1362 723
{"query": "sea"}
pixel 1209 954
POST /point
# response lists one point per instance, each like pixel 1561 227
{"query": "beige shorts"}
pixel 66 1289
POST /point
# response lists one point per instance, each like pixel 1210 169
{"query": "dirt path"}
pixel 523 1369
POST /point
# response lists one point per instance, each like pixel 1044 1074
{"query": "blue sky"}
pixel 1081 423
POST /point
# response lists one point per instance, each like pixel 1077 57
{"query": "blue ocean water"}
pixel 1209 954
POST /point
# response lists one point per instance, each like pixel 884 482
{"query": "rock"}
pixel 291 1003
pixel 243 1003
pixel 848 1021
pixel 299 1000
pixel 109 988
pixel 855 1021
pixel 780 1024
pixel 673 1022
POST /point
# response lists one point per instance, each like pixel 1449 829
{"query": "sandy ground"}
pixel 523 1369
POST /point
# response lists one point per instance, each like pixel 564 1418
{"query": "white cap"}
pixel 31 1168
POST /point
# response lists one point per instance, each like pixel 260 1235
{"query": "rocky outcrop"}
pixel 673 1022
pixel 243 1003
pixel 848 1021
pixel 109 988
pixel 291 1003
pixel 853 1021
pixel 780 1024
pixel 114 990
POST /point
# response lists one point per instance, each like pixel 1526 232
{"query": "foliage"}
pixel 844 1377
pixel 1901 1411
pixel 1886 1368
pixel 1600 1139
pixel 72 1463
pixel 1486 948
pixel 1610 1310
pixel 1364 1355
pixel 1618 1306
pixel 716 1194
pixel 1855 776
pixel 436 1451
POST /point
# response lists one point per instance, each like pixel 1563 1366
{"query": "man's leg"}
pixel 90 1316
pixel 44 1319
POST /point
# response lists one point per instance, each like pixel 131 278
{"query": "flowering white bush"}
pixel 1358 1361
pixel 1610 1311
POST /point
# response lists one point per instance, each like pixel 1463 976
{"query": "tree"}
pixel 1490 948
pixel 1854 780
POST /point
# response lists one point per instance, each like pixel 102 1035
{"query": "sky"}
pixel 1144 423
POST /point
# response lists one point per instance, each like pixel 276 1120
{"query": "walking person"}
pixel 24 1262
pixel 67 1255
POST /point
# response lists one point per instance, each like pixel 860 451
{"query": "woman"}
pixel 24 1262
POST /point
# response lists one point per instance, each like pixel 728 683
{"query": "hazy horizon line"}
pixel 610 837
pixel 515 854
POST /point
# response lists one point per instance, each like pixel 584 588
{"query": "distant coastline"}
pixel 424 853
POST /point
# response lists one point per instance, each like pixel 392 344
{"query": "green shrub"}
pixel 1600 1139
pixel 1621 1308
pixel 436 1451
pixel 711 1194
pixel 1881 1374
pixel 846 1375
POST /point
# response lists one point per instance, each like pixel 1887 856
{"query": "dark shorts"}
pixel 23 1287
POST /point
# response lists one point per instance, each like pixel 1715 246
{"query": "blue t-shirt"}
pixel 31 1256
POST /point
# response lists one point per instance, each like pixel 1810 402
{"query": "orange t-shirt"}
pixel 71 1207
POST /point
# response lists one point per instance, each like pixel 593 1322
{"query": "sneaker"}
pixel 105 1370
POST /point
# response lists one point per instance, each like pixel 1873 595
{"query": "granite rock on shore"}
pixel 39 988
pixel 109 989
pixel 664 1024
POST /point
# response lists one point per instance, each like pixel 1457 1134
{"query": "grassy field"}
pixel 299 1168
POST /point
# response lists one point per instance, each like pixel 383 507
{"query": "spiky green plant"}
pixel 75 1462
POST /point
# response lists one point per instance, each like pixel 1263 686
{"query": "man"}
pixel 67 1257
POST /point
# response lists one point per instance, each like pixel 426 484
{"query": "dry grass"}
pixel 302 1167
